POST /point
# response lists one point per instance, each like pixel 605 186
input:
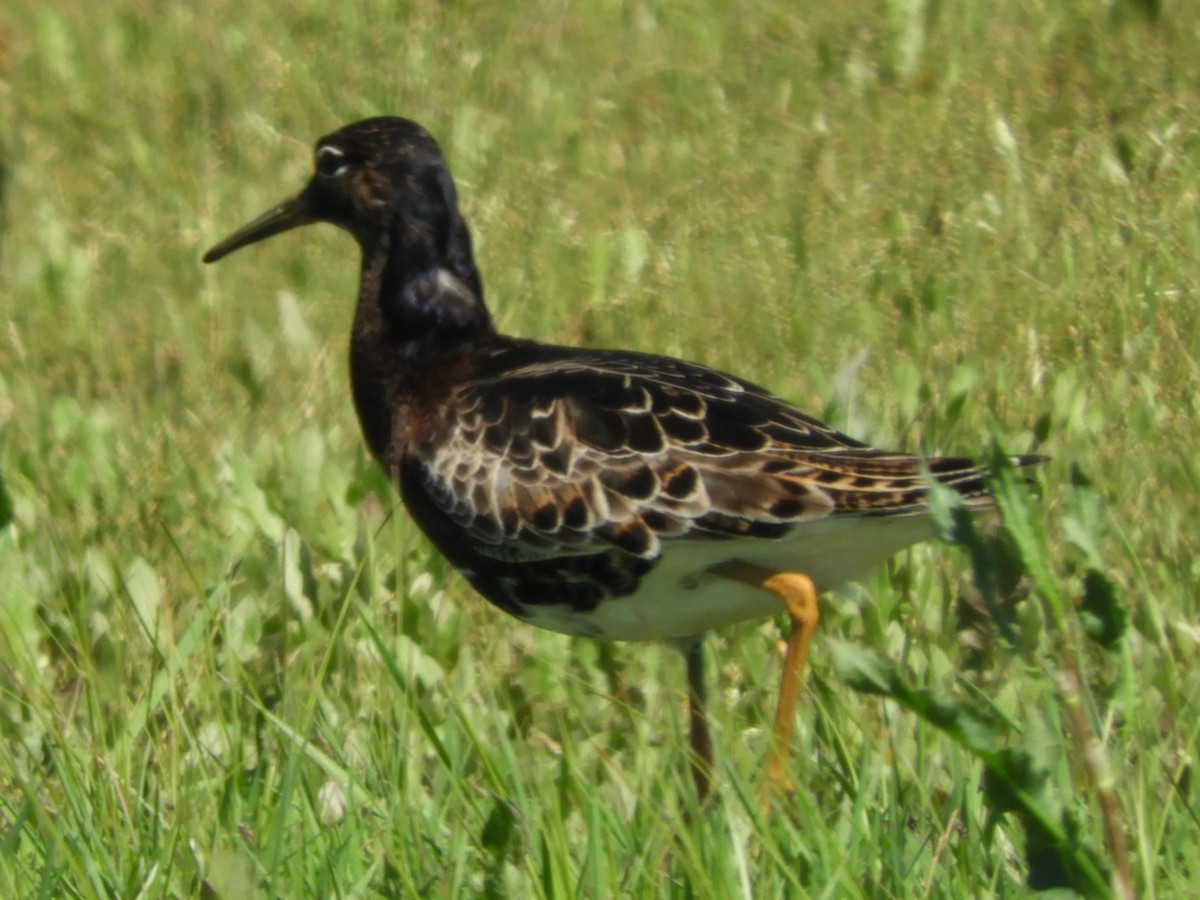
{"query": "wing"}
pixel 578 453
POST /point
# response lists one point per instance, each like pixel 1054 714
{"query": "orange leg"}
pixel 799 596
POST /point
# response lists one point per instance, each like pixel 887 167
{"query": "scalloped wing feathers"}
pixel 584 454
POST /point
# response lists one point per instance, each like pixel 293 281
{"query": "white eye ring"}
pixel 331 161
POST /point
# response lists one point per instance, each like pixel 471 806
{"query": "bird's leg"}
pixel 701 739
pixel 799 596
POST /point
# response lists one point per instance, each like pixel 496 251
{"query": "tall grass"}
pixel 230 666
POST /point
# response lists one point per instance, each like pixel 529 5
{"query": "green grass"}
pixel 229 665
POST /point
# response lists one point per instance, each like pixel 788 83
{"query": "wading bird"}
pixel 605 493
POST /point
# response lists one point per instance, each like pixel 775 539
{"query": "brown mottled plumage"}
pixel 594 492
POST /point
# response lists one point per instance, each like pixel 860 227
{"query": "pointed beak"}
pixel 291 213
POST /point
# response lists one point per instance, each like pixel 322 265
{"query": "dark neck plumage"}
pixel 420 307
pixel 420 273
pixel 425 285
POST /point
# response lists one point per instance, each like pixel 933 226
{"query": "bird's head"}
pixel 365 176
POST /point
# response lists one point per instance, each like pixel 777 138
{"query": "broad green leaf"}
pixel 1104 617
pixel 863 669
pixel 6 503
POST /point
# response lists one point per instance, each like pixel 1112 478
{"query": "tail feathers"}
pixel 908 492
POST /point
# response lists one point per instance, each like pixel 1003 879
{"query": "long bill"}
pixel 291 213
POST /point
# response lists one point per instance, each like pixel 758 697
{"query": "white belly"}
pixel 681 596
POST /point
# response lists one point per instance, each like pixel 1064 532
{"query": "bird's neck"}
pixel 420 304
pixel 420 276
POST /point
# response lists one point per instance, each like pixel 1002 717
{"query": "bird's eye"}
pixel 331 161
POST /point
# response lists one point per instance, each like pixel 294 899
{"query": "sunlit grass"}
pixel 231 665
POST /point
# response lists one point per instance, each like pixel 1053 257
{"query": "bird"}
pixel 612 494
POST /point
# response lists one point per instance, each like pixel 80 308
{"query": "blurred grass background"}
pixel 230 666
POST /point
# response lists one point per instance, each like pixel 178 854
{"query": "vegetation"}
pixel 230 666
